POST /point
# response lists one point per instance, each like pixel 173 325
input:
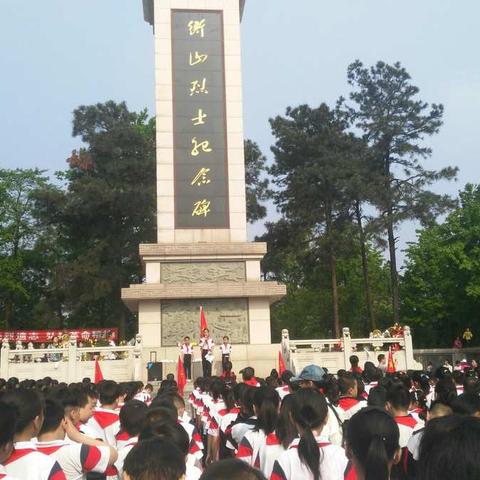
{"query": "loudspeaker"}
pixel 155 371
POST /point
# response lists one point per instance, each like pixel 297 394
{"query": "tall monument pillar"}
pixel 202 257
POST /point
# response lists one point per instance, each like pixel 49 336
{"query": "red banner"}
pixel 46 336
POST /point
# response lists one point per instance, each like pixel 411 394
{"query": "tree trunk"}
pixel 366 279
pixel 393 268
pixel 333 273
pixel 336 315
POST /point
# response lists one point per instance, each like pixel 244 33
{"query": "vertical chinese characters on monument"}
pixel 200 150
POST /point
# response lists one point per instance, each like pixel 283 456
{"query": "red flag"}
pixel 181 377
pixel 390 364
pixel 281 363
pixel 98 372
pixel 203 321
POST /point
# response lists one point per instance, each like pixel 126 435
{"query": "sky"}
pixel 58 54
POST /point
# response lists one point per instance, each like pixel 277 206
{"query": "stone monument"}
pixel 202 257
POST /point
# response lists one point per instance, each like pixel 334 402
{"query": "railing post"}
pixel 286 348
pixel 347 347
pixel 409 360
pixel 72 361
pixel 137 358
pixel 4 360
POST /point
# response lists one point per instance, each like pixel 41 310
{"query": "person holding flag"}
pixel 206 345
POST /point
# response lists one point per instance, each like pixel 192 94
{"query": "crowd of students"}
pixel 361 424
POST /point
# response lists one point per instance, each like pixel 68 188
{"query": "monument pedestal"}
pixel 224 278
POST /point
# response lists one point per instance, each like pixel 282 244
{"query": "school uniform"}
pixel 268 452
pixel 407 425
pixel 206 347
pixel 250 445
pixel 76 459
pixel 240 428
pixel 27 463
pixel 122 439
pixel 333 463
pixel 123 451
pixel 143 397
pixel 226 350
pixel 105 424
pixel 4 475
pixel 283 391
pixel 226 424
pixel 187 351
pixel 196 443
pixel 350 406
pixel 333 429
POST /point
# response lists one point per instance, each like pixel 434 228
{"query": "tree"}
pixel 106 210
pixel 313 155
pixel 19 232
pixel 441 284
pixel 394 123
pixel 255 181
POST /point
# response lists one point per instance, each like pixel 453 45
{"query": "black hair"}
pixel 418 396
pixel 445 390
pixel 354 360
pixel 286 430
pixel 266 401
pixel 246 401
pixel 449 449
pixel 346 382
pixel 172 432
pixel 330 388
pixel 217 387
pixel 371 373
pixel 233 469
pixel 28 405
pixel 133 417
pixel 377 397
pixel 8 418
pixel 168 386
pixel 309 411
pixel 157 414
pixel 398 396
pixel 373 438
pixel 286 376
pixel 108 392
pixel 471 385
pixel 381 357
pixel 247 373
pixel 155 459
pixel 466 404
pixel 164 401
pixel 54 415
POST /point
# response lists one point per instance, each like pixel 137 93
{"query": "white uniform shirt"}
pixel 250 445
pixel 27 463
pixel 3 474
pixel 122 454
pixel 187 349
pixel 226 349
pixel 333 463
pixel 105 424
pixel 76 459
pixel 407 425
pixel 268 452
pixel 207 343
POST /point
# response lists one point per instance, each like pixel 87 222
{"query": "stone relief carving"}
pixel 224 317
pixel 202 272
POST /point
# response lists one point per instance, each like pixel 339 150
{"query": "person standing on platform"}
pixel 187 351
pixel 206 347
pixel 226 349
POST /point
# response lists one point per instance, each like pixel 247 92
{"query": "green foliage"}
pixel 441 284
pixel 255 181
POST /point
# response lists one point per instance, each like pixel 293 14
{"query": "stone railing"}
pixel 71 363
pixel 334 354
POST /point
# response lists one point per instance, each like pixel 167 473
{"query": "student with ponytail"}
pixel 372 444
pixel 311 456
pixel 265 404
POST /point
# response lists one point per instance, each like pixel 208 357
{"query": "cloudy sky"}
pixel 56 55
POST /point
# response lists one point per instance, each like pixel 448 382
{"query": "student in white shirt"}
pixel 7 431
pixel 187 352
pixel 311 456
pixel 206 347
pixel 133 419
pixel 265 404
pixel 226 350
pixel 26 462
pixel 105 422
pixel 75 458
pixel 373 443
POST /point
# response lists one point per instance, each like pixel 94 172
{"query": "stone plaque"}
pixel 224 317
pixel 202 272
pixel 199 120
